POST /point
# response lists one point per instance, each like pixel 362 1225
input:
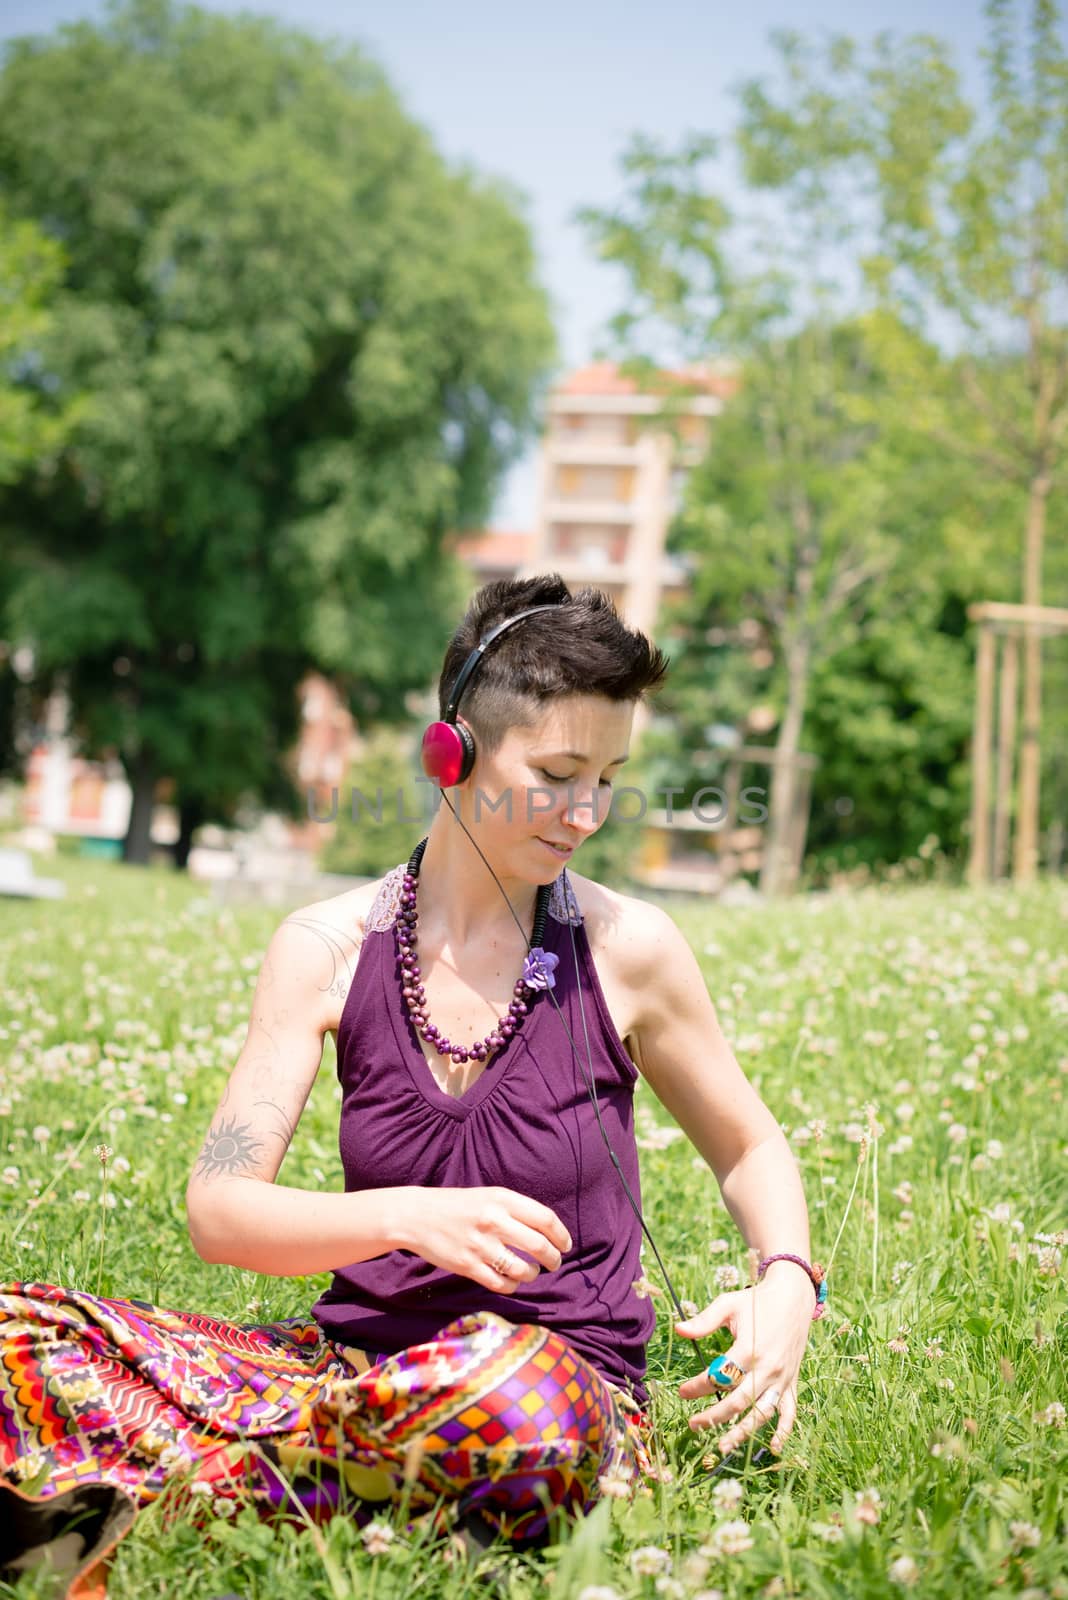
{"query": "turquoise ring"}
pixel 725 1374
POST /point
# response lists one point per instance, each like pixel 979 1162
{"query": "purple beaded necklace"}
pixel 538 974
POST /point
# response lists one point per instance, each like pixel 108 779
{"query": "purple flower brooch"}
pixel 539 968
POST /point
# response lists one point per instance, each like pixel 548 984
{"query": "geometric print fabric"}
pixel 506 1423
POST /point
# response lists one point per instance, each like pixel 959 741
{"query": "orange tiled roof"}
pixel 605 377
pixel 494 547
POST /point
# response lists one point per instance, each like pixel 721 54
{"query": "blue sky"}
pixel 548 95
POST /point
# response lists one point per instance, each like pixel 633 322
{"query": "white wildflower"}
pixel 730 1539
pixel 868 1504
pixel 829 1532
pixel 377 1538
pixel 649 1561
pixel 903 1571
pixel 1049 1261
pixel 693 1568
pixel 728 1494
pixel 616 1485
pixel 172 1460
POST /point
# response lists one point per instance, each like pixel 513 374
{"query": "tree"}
pixel 308 350
pixel 31 270
pixel 787 511
pixel 888 700
pixel 969 243
pixel 32 425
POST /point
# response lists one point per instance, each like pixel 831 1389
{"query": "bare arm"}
pixel 680 1050
pixel 237 1213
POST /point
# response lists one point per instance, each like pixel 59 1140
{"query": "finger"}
pixel 513 1270
pixel 511 1267
pixel 542 1219
pixel 517 1236
pixel 733 1404
pixel 711 1318
pixel 702 1383
pixel 484 1274
pixel 762 1411
pixel 787 1418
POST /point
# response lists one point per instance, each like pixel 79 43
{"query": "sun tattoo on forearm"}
pixel 229 1150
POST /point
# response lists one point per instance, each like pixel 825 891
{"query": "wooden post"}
pixel 979 865
pixel 799 823
pixel 1025 842
pixel 732 787
pixel 1006 750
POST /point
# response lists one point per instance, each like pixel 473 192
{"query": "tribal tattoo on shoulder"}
pixel 230 1150
pixel 339 949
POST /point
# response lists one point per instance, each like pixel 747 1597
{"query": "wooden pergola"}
pixel 1001 627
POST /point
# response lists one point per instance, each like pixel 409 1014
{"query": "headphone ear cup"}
pixel 467 739
pixel 448 753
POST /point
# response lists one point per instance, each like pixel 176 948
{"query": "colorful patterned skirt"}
pixel 489 1424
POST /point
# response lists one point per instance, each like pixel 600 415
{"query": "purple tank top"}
pixel 527 1124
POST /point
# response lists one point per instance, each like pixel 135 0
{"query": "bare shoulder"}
pixel 630 935
pixel 325 937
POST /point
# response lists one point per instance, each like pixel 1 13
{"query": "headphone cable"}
pixel 591 1087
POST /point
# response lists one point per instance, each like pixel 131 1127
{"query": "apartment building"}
pixel 611 476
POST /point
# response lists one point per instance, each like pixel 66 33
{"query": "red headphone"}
pixel 448 752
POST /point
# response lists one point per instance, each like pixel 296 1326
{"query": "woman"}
pixel 481 1349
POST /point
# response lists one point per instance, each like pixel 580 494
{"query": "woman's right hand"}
pixel 475 1232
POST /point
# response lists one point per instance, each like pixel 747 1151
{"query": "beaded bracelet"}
pixel 815 1272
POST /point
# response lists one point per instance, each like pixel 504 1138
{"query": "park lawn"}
pixel 930 1449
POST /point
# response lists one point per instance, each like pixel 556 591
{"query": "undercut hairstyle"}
pixel 582 647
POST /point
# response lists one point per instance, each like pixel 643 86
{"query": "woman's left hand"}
pixel 769 1324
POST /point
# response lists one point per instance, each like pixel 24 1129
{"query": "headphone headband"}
pixel 479 651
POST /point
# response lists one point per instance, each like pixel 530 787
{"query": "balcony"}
pixel 576 510
pixel 592 453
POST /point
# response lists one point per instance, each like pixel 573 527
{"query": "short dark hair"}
pixel 584 647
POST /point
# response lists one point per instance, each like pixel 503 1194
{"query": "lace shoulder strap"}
pixel 386 904
pixel 563 906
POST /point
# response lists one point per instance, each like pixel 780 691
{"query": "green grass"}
pixel 944 1009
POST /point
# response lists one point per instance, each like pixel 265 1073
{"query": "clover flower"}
pixel 1024 1536
pixel 868 1505
pixel 377 1538
pixel 730 1539
pixel 903 1571
pixel 649 1561
pixel 728 1495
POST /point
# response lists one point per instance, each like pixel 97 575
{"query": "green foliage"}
pixel 31 270
pixel 385 807
pixel 900 414
pixel 939 1008
pixel 609 855
pixel 307 349
pixel 33 424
